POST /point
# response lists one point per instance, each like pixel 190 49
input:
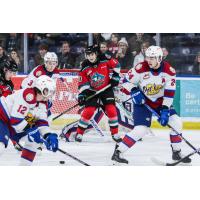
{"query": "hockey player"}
pixel 124 115
pixel 95 75
pixel 24 115
pixel 49 69
pixel 8 70
pixel 6 73
pixel 153 83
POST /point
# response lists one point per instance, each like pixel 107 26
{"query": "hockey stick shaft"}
pixel 69 109
pixel 73 157
pixel 180 134
pixel 96 127
pixel 67 154
pixel 90 97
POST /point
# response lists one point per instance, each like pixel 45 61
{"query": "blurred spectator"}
pixel 136 40
pixel 196 66
pixel 97 39
pixel 44 38
pixel 104 50
pixel 39 57
pixel 113 45
pixel 141 56
pixel 167 57
pixel 14 55
pixel 103 47
pixel 81 56
pixel 12 42
pixel 66 59
pixel 3 56
pixel 123 55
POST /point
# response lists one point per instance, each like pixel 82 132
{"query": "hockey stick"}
pixel 96 127
pixel 90 97
pixel 67 154
pixel 159 162
pixel 73 157
pixel 179 134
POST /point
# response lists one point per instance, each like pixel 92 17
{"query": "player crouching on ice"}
pixel 153 82
pixel 94 76
pixel 24 115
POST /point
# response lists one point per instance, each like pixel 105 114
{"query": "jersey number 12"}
pixel 22 109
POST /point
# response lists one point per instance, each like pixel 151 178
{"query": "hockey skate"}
pixel 116 138
pixel 176 155
pixel 78 138
pixel 63 137
pixel 17 147
pixel 117 157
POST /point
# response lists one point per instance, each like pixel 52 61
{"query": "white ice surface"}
pixel 98 153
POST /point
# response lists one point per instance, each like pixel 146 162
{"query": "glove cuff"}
pixel 134 89
pixel 46 135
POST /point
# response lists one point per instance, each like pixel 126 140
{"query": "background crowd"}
pixel 182 51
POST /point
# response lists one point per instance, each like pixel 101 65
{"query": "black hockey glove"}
pixel 84 95
pixel 81 99
pixel 114 81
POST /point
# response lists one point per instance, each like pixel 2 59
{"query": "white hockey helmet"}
pixel 50 61
pixel 46 85
pixel 155 51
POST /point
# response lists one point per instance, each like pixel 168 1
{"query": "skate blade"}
pixel 115 163
pixel 183 164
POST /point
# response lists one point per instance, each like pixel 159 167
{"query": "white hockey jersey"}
pixel 35 73
pixel 158 86
pixel 15 107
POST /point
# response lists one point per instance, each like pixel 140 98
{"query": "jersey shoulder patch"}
pixel 168 69
pixel 29 96
pixel 142 67
pixel 39 70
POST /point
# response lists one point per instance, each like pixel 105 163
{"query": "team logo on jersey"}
pixel 152 89
pixel 29 97
pixel 97 80
pixel 38 73
pixel 146 76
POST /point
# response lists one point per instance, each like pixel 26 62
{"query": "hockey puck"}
pixel 62 162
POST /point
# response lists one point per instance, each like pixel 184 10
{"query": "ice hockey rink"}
pixel 97 151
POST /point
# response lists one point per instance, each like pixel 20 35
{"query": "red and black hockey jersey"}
pixel 96 76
